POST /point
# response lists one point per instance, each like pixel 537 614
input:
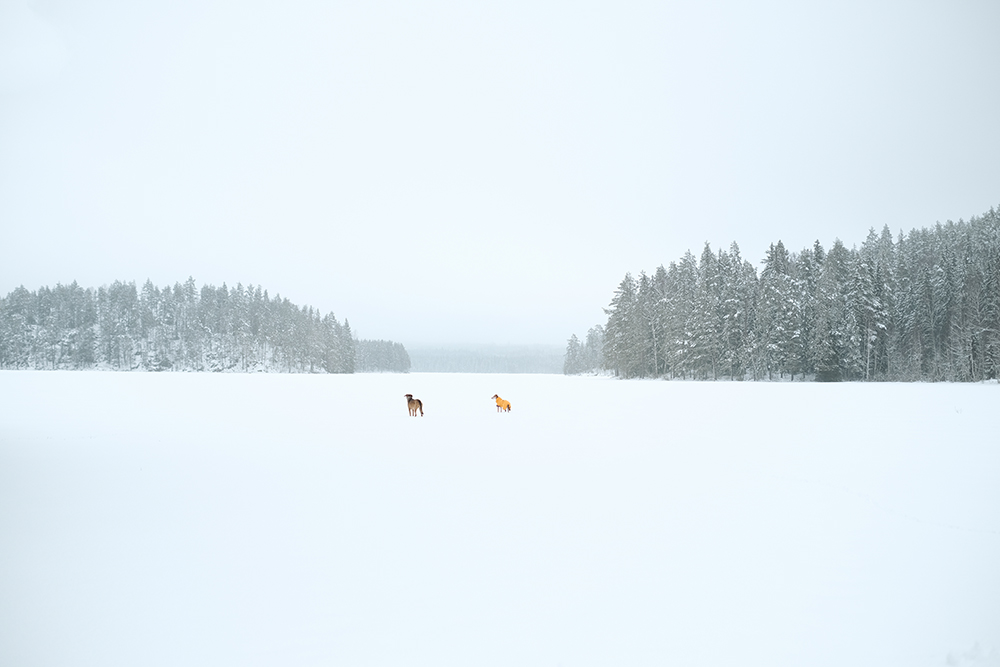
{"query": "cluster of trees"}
pixel 923 306
pixel 180 328
pixel 585 357
pixel 380 356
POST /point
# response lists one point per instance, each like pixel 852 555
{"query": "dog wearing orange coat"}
pixel 502 405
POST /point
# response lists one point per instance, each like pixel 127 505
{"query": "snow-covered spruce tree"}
pixel 779 332
pixel 189 331
pixel 805 270
pixel 918 318
pixel 736 311
pixel 683 319
pixel 706 321
pixel 906 339
pixel 17 325
pixel 573 363
pixel 888 291
pixel 332 351
pixel 593 349
pixel 835 342
pixel 240 337
pixel 872 293
pixel 118 323
pixel 623 333
pixel 652 359
pixel 660 285
pixel 347 343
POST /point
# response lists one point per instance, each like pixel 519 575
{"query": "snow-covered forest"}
pixel 586 355
pixel 380 356
pixel 180 328
pixel 922 306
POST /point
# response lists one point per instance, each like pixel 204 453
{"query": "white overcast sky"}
pixel 467 172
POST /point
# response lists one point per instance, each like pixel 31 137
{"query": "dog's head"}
pixel 408 396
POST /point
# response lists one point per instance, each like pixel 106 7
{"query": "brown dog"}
pixel 414 404
pixel 502 405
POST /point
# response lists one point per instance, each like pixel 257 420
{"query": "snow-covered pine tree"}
pixel 705 317
pixel 622 338
pixel 593 349
pixel 683 321
pixel 871 295
pixel 572 363
pixel 835 342
pixel 779 331
pixel 347 344
pixel 736 307
pixel 805 268
pixel 649 300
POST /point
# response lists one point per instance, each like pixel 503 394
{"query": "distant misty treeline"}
pixel 180 328
pixel 488 359
pixel 923 306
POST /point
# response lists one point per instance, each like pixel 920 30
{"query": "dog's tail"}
pixel 420 404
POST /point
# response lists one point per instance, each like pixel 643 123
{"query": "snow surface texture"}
pixel 198 519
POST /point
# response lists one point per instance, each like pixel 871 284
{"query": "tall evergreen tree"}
pixel 573 363
pixel 622 339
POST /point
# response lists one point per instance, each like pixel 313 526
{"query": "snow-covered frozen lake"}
pixel 197 519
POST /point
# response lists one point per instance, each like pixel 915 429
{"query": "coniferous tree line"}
pixel 921 306
pixel 179 328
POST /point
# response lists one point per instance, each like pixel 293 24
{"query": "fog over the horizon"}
pixel 444 173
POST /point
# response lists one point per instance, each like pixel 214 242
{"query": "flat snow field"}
pixel 198 519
